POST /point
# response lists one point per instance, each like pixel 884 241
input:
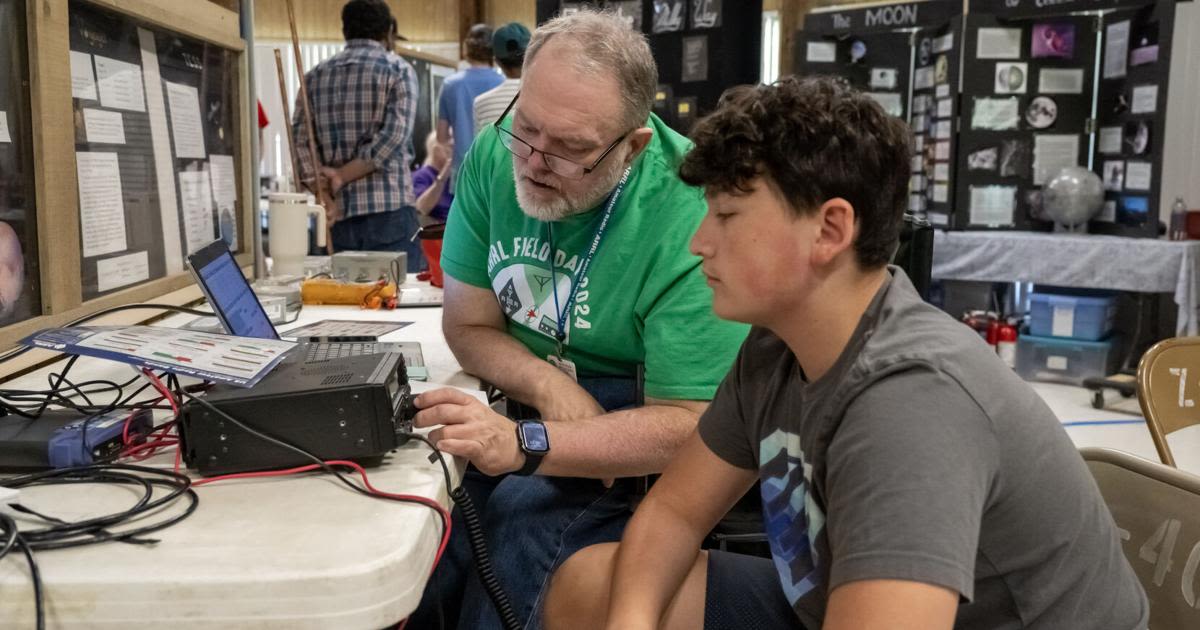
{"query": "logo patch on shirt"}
pixel 526 297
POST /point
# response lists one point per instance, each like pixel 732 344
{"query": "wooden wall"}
pixel 321 20
pixel 497 12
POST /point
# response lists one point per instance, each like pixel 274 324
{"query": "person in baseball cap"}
pixel 508 45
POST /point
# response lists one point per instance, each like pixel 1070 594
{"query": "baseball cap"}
pixel 509 41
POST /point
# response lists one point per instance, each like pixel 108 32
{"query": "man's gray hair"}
pixel 602 44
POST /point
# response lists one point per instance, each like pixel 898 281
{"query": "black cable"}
pixel 307 455
pixel 478 541
pixel 10 528
pixel 93 530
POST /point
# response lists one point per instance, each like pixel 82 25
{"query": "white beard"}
pixel 563 206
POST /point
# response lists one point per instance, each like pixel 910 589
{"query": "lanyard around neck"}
pixel 564 314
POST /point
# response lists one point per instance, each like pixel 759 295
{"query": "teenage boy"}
pixel 909 479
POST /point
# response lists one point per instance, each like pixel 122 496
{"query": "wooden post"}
pixel 287 115
pixel 312 131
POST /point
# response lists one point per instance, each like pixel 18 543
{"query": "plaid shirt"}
pixel 364 101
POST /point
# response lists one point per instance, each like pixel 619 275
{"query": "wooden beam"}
pixel 202 20
pixel 54 177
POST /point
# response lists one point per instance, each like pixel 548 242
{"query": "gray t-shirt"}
pixel 920 456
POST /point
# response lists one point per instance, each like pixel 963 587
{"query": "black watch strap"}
pixel 532 461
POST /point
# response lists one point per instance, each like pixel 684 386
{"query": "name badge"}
pixel 567 366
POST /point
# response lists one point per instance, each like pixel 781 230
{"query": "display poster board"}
pixel 701 47
pixel 156 147
pixel 20 285
pixel 906 56
pixel 1034 103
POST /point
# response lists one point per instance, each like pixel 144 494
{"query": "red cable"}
pixel 410 498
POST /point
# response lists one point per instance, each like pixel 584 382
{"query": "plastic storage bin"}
pixel 1065 360
pixel 1071 316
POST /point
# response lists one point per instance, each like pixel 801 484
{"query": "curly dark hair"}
pixel 479 43
pixel 815 138
pixel 366 19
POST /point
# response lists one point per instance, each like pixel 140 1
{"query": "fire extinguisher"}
pixel 1006 343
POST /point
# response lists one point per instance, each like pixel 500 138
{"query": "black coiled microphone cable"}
pixel 483 560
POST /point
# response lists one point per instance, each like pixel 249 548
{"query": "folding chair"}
pixel 1157 511
pixel 1168 402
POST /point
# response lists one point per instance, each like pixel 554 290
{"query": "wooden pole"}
pixel 287 115
pixel 312 131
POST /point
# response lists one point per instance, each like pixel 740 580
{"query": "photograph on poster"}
pixel 1133 210
pixel 890 102
pixel 1060 80
pixel 1137 175
pixel 817 52
pixel 983 159
pixel 941 172
pixel 1137 137
pixel 1052 153
pixel 1014 158
pixel 858 51
pixel 1041 113
pixel 941 69
pixel 669 16
pixel 1110 140
pixel 1114 175
pixel 924 51
pixel 1053 40
pixel 920 103
pixel 883 78
pixel 1144 100
pixel 1116 47
pixel 992 205
pixel 1145 44
pixel 996 114
pixel 998 43
pixel 694 59
pixel 706 13
pixel 1011 78
pixel 941 130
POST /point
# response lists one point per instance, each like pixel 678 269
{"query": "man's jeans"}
pixel 532 525
pixel 382 232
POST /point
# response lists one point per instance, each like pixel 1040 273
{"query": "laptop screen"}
pixel 230 294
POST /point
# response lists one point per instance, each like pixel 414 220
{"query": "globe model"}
pixel 1073 196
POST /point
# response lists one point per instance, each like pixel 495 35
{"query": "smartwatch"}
pixel 534 442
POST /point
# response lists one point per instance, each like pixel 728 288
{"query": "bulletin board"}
pixel 155 147
pixel 1092 93
pixel 163 163
pixel 20 282
pixel 701 47
pixel 906 56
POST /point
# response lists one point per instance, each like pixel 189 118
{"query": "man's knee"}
pixel 579 590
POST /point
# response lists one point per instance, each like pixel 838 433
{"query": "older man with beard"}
pixel 567 275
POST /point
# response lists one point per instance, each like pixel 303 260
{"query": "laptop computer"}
pixel 240 313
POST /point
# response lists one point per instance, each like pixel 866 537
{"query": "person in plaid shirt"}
pixel 363 103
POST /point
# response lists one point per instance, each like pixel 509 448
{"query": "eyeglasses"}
pixel 557 164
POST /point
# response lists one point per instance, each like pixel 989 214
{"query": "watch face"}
pixel 534 438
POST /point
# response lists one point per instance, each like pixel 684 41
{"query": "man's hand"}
pixel 327 197
pixel 470 429
pixel 334 178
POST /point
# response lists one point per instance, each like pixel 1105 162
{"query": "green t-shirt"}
pixel 644 299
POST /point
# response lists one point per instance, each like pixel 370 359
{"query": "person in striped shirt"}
pixel 508 44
